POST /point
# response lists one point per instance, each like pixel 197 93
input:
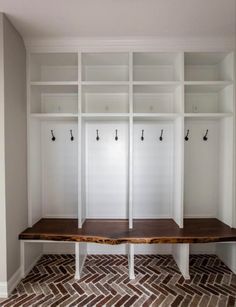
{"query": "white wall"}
pixel 3 270
pixel 15 142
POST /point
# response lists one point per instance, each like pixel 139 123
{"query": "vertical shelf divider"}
pixel 178 210
pixel 80 199
pixel 130 199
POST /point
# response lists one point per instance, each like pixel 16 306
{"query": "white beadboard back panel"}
pixel 201 189
pixel 59 169
pixel 107 170
pixel 153 170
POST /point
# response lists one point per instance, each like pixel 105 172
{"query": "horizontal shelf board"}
pixel 105 83
pixel 173 83
pixel 207 115
pixel 105 116
pixel 108 231
pixel 205 88
pixel 40 83
pixel 54 115
pixel 161 116
pixel 213 83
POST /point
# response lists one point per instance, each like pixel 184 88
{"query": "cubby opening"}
pixel 208 99
pixel 154 66
pixel 53 169
pixel 54 99
pixel 105 173
pixel 208 169
pixel 53 67
pixel 105 99
pixel 157 99
pixel 208 66
pixel 155 169
pixel 105 67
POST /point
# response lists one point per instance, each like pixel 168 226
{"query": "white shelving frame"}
pixel 179 118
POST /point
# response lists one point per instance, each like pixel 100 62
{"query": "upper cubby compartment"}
pixel 209 99
pixel 208 66
pixel 54 99
pixel 105 67
pixel 105 99
pixel 157 99
pixel 54 67
pixel 155 66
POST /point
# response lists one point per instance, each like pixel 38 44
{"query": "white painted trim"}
pixel 3 290
pixel 6 288
pixel 30 267
pixel 220 43
pixel 14 281
pixel 131 261
pixel 79 264
pixel 227 253
pixel 180 253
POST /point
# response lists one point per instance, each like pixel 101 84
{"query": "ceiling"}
pixel 121 18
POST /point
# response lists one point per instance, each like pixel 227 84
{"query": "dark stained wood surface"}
pixel 144 231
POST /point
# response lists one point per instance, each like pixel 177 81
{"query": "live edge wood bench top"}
pixel 117 231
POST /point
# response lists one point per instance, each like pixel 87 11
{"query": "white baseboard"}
pixel 6 288
pixel 14 281
pixel 3 290
pixel 30 267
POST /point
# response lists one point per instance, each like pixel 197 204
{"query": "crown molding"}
pixel 126 44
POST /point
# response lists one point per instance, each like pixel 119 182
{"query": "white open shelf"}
pixel 105 67
pixel 105 99
pixel 156 66
pixel 55 116
pixel 208 66
pixel 155 116
pixel 47 67
pixel 207 115
pixel 157 99
pixel 209 99
pixel 105 116
pixel 54 99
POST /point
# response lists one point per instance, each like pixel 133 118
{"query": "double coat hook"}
pixel 205 137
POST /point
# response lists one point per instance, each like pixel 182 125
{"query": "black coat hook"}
pixel 161 136
pixel 186 137
pixel 116 137
pixel 205 138
pixel 53 136
pixel 142 136
pixel 71 136
pixel 97 138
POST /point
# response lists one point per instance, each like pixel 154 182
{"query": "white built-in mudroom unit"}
pixel 134 146
pixel 130 150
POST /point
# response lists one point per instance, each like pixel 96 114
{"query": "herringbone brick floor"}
pixel 105 283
